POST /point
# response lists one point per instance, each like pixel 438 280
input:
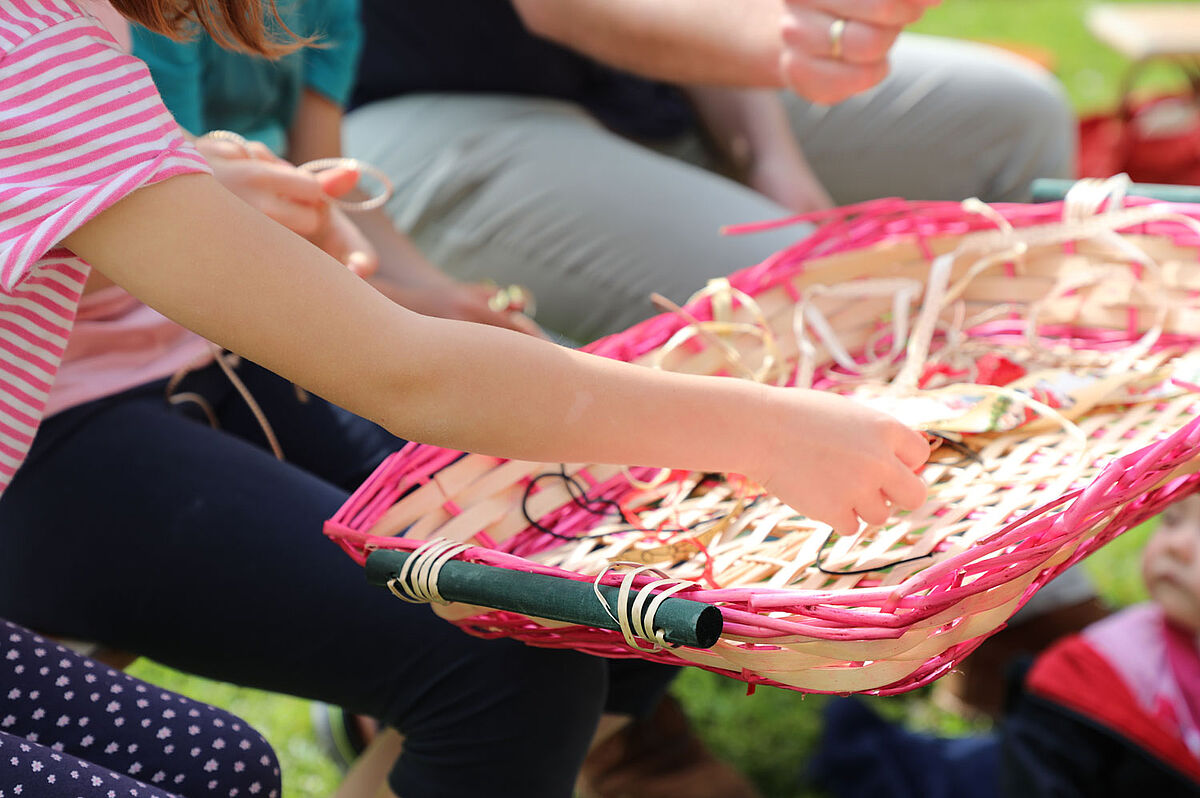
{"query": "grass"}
pixel 1090 70
pixel 769 735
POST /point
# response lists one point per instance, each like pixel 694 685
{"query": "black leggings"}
pixel 135 524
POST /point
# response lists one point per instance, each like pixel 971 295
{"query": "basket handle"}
pixel 1189 68
pixel 1052 189
pixel 675 621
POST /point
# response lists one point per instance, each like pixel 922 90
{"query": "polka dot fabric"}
pixel 70 726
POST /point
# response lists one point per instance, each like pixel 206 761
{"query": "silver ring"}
pixel 837 29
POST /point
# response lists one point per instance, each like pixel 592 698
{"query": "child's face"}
pixel 1171 563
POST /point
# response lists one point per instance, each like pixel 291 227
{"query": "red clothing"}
pixel 1143 703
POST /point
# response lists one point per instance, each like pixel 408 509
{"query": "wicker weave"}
pixel 1111 317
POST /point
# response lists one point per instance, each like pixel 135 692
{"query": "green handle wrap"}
pixel 684 622
pixel 1048 190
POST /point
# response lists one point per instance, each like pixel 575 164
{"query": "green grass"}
pixel 769 734
pixel 283 720
pixel 1090 70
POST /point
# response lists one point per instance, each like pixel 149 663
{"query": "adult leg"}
pixel 535 191
pixel 69 725
pixel 202 551
pixel 953 120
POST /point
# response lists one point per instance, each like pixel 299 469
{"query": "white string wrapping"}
pixel 635 614
pixel 417 582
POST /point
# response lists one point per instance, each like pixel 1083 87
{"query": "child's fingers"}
pixel 338 181
pixel 875 510
pixel 362 263
pixel 261 152
pixel 912 449
pixel 844 522
pixel 219 148
pixel 295 216
pixel 286 181
pixel 905 489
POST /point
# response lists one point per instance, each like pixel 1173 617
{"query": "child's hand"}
pixel 342 239
pixel 294 198
pixel 786 177
pixel 442 296
pixel 266 182
pixel 837 461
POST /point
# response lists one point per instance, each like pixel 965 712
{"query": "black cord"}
pixel 579 497
pixel 824 570
pixel 965 452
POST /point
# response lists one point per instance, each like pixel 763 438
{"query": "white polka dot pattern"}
pixel 72 728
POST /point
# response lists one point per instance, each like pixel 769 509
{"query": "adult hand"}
pixel 448 298
pixel 834 49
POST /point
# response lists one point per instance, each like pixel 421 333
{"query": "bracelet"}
pixel 385 190
pixel 320 165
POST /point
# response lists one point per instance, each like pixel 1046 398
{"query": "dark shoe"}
pixel 978 685
pixel 659 757
pixel 339 734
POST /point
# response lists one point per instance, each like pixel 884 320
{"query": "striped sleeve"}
pixel 81 126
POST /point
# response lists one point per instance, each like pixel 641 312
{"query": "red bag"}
pixel 1153 141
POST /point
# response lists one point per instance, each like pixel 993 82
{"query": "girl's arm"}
pixel 187 248
pixel 751 129
pixel 403 272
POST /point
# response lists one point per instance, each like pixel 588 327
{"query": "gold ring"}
pixel 837 29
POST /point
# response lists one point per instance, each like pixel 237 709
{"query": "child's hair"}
pixel 233 24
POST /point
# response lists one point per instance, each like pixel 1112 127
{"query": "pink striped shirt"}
pixel 81 126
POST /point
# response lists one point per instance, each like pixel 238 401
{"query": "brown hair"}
pixel 234 24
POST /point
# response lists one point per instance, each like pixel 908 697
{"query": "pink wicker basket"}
pixel 1080 327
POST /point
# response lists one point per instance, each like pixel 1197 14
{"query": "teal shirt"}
pixel 208 88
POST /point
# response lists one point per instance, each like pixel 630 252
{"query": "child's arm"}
pixel 404 274
pixel 187 248
pixel 750 128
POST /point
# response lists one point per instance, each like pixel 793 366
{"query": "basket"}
pixel 1049 348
